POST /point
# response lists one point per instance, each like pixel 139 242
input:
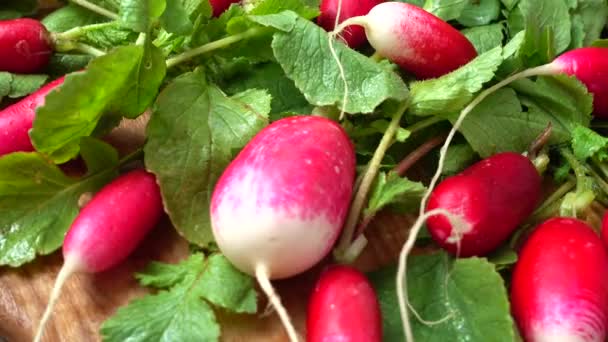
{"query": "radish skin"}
pixel 415 39
pixel 354 36
pixel 492 196
pixel 559 288
pixel 25 46
pixel 220 6
pixel 16 120
pixel 108 229
pixel 343 307
pixel 280 205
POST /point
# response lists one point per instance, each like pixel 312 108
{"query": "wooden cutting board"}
pixel 87 300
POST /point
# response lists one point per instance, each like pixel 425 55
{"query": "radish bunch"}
pixel 280 205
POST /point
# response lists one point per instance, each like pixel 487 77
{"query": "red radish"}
pixel 343 307
pixel 590 66
pixel 280 205
pixel 108 229
pixel 493 196
pixel 219 6
pixel 559 288
pixel 16 120
pixel 25 46
pixel 354 35
pixel 415 39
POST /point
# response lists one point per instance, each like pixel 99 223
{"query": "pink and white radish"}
pixel 108 229
pixel 25 46
pixel 559 287
pixel 16 120
pixel 354 36
pixel 280 205
pixel 492 196
pixel 415 39
pixel 343 307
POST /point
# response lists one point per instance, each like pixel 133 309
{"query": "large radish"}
pixel 559 288
pixel 25 46
pixel 492 196
pixel 415 39
pixel 354 36
pixel 279 206
pixel 108 229
pixel 16 120
pixel 343 307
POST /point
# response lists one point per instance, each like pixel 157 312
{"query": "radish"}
pixel 108 229
pixel 16 120
pixel 415 39
pixel 25 46
pixel 220 6
pixel 559 288
pixel 354 35
pixel 279 206
pixel 493 196
pixel 343 307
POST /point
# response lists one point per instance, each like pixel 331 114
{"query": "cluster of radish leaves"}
pixel 263 61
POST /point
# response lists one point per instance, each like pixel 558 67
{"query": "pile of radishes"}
pixel 281 204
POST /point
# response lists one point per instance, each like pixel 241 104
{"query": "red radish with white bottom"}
pixel 354 36
pixel 279 206
pixel 492 196
pixel 25 46
pixel 559 288
pixel 343 307
pixel 413 38
pixel 16 120
pixel 108 229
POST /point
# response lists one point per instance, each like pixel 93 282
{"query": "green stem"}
pixel 553 198
pixel 422 124
pixel 367 180
pixel 77 32
pixel 97 9
pixel 376 57
pixel 67 46
pixel 579 170
pixel 601 166
pixel 218 44
pixel 135 155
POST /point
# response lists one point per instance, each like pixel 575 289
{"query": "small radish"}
pixel 280 205
pixel 108 229
pixel 25 46
pixel 559 287
pixel 220 6
pixel 16 120
pixel 343 307
pixel 415 39
pixel 493 196
pixel 354 35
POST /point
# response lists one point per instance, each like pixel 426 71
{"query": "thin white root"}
pixel 261 273
pixel 68 268
pixel 547 69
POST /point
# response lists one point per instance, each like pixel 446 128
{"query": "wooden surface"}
pixel 87 300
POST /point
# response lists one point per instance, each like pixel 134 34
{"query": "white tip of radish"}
pixel 292 241
pixel 561 333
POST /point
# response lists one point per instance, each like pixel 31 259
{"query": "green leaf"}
pixel 286 98
pixel 138 14
pixel 176 19
pixel 17 85
pixel 264 7
pixel 61 64
pixel 125 80
pixel 592 16
pixel 458 157
pixel 451 92
pixel 587 143
pixel 192 136
pixel 503 257
pixel 559 99
pixel 11 9
pixel 391 189
pixel 70 16
pixel 182 310
pixel 485 38
pixel 480 12
pixel 38 202
pixel 303 53
pixel 108 35
pixel 446 9
pixel 547 24
pixel 600 43
pixel 468 293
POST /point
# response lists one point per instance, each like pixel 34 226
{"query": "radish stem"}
pixel 366 182
pixel 215 45
pixel 97 9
